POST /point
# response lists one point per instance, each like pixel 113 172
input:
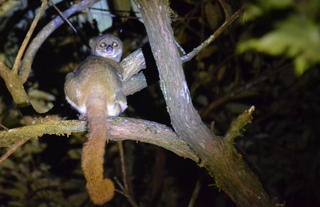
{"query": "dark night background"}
pixel 269 58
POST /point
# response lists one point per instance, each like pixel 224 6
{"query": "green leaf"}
pixel 277 4
pixel 252 11
pixel 300 66
pixel 295 38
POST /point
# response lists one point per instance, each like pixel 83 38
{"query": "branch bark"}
pixel 220 158
pixel 134 84
pixel 14 85
pixel 132 64
pixel 119 128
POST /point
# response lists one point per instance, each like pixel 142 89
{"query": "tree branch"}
pixel 184 118
pixel 134 84
pixel 132 64
pixel 14 85
pixel 16 89
pixel 220 158
pixel 28 36
pixel 120 129
pixel 212 37
pixel 237 125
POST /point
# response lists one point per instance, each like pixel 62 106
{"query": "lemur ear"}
pixel 92 42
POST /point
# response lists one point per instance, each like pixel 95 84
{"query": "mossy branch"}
pixel 14 85
pixel 16 89
pixel 11 136
pixel 120 129
pixel 237 126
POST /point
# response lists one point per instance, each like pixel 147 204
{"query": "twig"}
pixel 237 126
pixel 120 185
pixel 4 127
pixel 64 18
pixel 225 10
pixel 123 191
pixel 195 194
pixel 123 166
pixel 180 48
pixel 12 149
pixel 157 179
pixel 28 36
pixel 213 37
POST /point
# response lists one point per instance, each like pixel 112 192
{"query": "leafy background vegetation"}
pixel 269 59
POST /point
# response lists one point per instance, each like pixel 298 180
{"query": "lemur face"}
pixel 107 46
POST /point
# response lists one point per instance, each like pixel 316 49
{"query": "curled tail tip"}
pixel 102 192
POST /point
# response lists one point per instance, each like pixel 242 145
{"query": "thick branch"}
pixel 221 159
pixel 134 84
pixel 132 64
pixel 133 79
pixel 185 119
pixel 120 129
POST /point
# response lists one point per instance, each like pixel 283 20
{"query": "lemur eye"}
pixel 114 44
pixel 103 44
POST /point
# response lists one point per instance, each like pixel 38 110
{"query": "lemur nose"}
pixel 109 48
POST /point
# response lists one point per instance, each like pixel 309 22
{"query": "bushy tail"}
pixel 100 190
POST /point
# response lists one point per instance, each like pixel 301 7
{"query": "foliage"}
pixel 26 181
pixel 260 8
pixel 296 36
